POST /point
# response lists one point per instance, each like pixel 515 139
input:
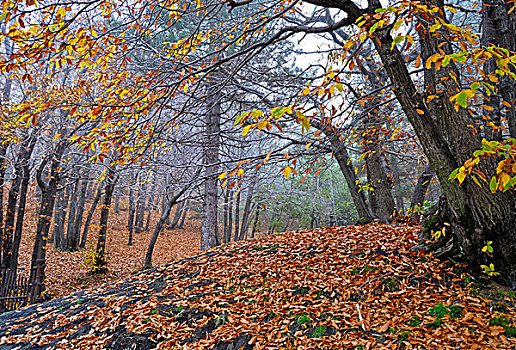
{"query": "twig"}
pixel 374 279
pixel 360 316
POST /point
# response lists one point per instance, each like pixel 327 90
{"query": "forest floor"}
pixel 355 287
pixel 67 272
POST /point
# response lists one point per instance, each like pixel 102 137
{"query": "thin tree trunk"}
pixel 130 222
pixel 230 213
pixel 100 262
pixel 177 216
pixel 161 222
pixel 225 216
pixel 159 227
pixel 76 231
pixel 185 212
pixel 9 222
pixel 211 159
pixel 237 217
pixel 93 207
pixel 397 186
pixel 140 208
pixel 256 217
pixel 3 166
pixel 418 197
pixel 247 208
pixel 155 206
pixel 59 216
pixel 24 187
pixel 7 244
pixel 312 218
pixel 346 166
pixel 150 207
pixel 72 211
pixel 117 202
pixel 61 231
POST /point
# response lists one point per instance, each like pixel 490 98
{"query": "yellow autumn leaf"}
pixel 287 171
pixel 246 130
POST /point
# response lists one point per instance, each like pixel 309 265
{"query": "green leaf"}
pixel 510 184
pixel 398 39
pixel 493 184
pixel 462 99
pixel 373 28
pixel 241 118
pixel 453 175
pixel 459 57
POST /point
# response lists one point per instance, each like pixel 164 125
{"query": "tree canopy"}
pixel 127 81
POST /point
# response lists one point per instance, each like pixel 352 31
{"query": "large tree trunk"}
pixel 381 185
pixel 211 159
pixel 478 215
pixel 48 196
pixel 499 29
pixel 100 262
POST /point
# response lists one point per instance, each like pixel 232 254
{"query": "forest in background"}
pixel 180 107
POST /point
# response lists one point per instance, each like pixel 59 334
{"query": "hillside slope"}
pixel 357 287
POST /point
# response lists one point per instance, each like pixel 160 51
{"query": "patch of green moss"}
pixel 319 332
pixel 415 321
